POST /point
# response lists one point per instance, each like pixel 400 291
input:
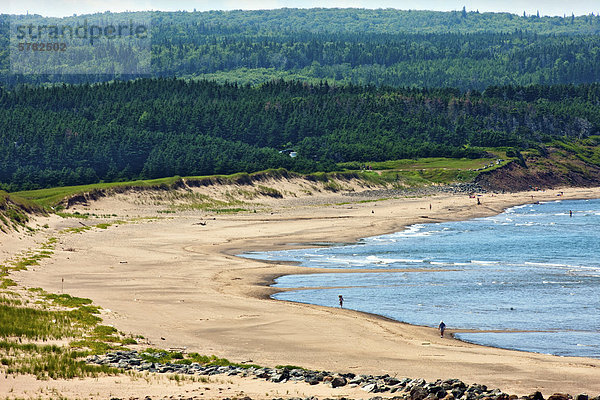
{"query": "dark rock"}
pixel 536 396
pixel 312 380
pixel 381 388
pixel 582 396
pixel 338 381
pixel 406 388
pixel 434 389
pixel 469 395
pixel 391 381
pixel 418 393
pixel 278 378
pixel 321 375
pixel 262 374
pixel 560 396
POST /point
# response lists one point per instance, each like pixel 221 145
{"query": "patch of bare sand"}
pixel 162 386
pixel 177 280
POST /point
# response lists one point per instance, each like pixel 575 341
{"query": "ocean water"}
pixel 527 279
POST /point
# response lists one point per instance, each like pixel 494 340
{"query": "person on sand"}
pixel 442 328
pixel 341 301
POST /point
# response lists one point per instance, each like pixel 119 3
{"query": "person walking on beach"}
pixel 341 301
pixel 442 328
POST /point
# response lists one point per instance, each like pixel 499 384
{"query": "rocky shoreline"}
pixel 403 389
pixel 457 188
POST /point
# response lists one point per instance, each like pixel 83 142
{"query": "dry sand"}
pixel 175 279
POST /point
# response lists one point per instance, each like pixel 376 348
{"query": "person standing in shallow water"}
pixel 442 328
pixel 341 301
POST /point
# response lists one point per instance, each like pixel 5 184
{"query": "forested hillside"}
pixel 465 50
pixel 332 85
pixel 149 128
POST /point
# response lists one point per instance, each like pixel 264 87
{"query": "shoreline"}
pixel 322 270
pixel 485 211
pixel 184 283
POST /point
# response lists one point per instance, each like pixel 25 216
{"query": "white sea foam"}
pixel 512 209
pixel 549 265
pixel 381 260
pixel 441 263
pixel 412 231
pixel 484 262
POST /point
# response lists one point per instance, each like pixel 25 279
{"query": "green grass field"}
pixel 422 163
pixel 50 197
pixel 426 171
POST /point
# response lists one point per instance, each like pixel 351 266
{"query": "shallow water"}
pixel 532 268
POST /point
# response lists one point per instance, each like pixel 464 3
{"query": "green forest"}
pixel 465 50
pixel 151 128
pixel 239 90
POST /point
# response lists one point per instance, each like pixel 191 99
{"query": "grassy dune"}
pixel 418 172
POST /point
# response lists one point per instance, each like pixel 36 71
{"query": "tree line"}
pixel 467 50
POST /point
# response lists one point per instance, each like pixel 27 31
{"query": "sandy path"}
pixel 182 282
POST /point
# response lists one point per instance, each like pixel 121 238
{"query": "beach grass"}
pixel 33 317
pixel 48 361
pixel 28 317
pixel 15 211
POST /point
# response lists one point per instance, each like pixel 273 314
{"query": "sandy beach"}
pixel 180 284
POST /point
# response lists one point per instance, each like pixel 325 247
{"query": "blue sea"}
pixel 527 279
